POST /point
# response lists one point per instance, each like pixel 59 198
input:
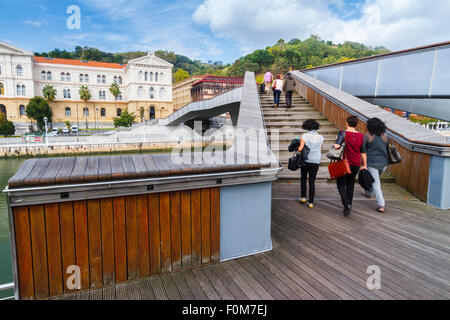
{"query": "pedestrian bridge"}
pixel 414 80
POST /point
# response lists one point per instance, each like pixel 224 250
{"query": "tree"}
pixel 85 95
pixel 180 75
pixel 37 109
pixel 125 120
pixel 7 128
pixel 49 93
pixel 68 124
pixel 141 113
pixel 115 91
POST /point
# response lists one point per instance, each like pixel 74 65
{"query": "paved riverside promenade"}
pixel 320 254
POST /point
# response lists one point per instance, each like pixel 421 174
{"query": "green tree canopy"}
pixel 115 90
pixel 125 120
pixel 85 93
pixel 180 75
pixel 37 109
pixel 7 128
pixel 49 93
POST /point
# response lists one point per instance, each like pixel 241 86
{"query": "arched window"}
pixel 24 93
pixel 68 112
pixel 99 79
pixel 63 76
pixel 146 76
pixel 103 79
pixel 22 110
pixel 119 97
pixel 68 78
pixel 86 78
pixel 152 93
pixel 115 79
pixel 102 94
pixel 68 94
pixel 65 93
pixel 103 112
pixel 19 70
pixel 43 75
pixel 18 90
pixel 2 89
pixel 140 92
pixel 161 77
pixel 156 77
pixel 120 80
pixel 152 112
pixel 162 93
pixel 81 77
pixel 151 76
pixel 140 75
pixel 85 112
pixel 119 112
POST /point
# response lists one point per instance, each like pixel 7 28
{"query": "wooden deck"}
pixel 319 254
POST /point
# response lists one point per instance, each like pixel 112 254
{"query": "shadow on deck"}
pixel 319 254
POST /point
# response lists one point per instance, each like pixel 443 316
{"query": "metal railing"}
pixel 5 287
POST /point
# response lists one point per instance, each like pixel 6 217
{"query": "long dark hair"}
pixel 310 124
pixel 376 127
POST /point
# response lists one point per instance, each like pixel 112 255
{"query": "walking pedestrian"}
pixel 277 88
pixel 289 87
pixel 355 150
pixel 314 141
pixel 376 142
pixel 268 78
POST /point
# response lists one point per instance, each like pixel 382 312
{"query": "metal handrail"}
pixel 5 287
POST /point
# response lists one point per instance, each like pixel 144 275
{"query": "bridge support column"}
pixel 439 182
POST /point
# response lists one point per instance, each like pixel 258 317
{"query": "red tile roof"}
pixel 71 62
pixel 211 78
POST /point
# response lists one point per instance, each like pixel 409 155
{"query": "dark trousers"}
pixel 289 98
pixel 346 186
pixel 276 97
pixel 309 171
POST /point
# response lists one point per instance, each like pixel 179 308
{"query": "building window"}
pixel 68 112
pixel 85 112
pixel 156 77
pixel 152 112
pixel 120 80
pixel 119 97
pixel 162 93
pixel 21 90
pixel 68 78
pixel 63 76
pixel 81 78
pixel 18 90
pixel 115 79
pixel 19 70
pixel 152 93
pixel 65 93
pixel 103 112
pixel 68 94
pixel 140 92
pixel 119 112
pixel 140 75
pixel 151 76
pixel 146 76
pixel 99 79
pixel 103 79
pixel 43 75
pixel 86 78
pixel 2 89
pixel 24 93
pixel 102 95
pixel 22 110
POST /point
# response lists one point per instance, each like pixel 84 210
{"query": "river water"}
pixel 7 169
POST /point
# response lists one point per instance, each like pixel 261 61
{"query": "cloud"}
pixel 37 24
pixel 395 24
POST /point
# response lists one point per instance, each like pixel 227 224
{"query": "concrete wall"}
pixel 439 182
pixel 245 220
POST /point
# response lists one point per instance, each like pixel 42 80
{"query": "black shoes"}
pixel 347 211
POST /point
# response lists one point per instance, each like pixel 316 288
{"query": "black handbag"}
pixel 298 159
pixel 394 155
pixel 365 180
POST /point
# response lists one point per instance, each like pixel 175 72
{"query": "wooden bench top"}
pixel 59 171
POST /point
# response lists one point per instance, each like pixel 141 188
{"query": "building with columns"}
pixel 144 82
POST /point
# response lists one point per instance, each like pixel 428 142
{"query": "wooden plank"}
pixel 175 230
pixel 139 165
pixel 154 234
pixel 95 243
pixel 215 225
pixel 128 167
pixel 104 168
pixel 116 167
pixel 182 286
pixel 91 173
pixel 35 174
pixel 79 169
pixel 152 168
pixel 194 285
pixel 132 238
pixel 164 218
pixel 54 249
pixel 120 241
pixel 65 171
pixel 107 226
pixel 158 289
pixel 18 179
pixel 39 250
pixel 49 175
pixel 24 254
pixel 206 225
pixel 170 287
pixel 143 236
pixel 186 235
pixel 81 239
pixel 196 228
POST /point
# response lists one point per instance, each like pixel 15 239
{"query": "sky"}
pixel 219 30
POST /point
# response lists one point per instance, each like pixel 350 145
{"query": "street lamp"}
pixel 46 138
pixel 96 119
pixel 78 124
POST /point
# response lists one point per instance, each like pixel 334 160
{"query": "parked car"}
pixel 74 129
pixel 65 130
pixel 53 133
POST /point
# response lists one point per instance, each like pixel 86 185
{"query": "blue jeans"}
pixel 376 186
pixel 276 97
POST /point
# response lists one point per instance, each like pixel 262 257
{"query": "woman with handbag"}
pixel 314 142
pixel 277 87
pixel 376 142
pixel 353 153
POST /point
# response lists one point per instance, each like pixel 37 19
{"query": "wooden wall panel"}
pixel 114 240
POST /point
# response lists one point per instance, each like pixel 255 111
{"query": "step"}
pixel 324 129
pixel 299 117
pixel 288 137
pixel 272 112
pixel 291 124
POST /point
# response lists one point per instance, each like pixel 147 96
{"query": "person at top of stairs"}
pixel 268 77
pixel 289 87
pixel 313 141
pixel 277 87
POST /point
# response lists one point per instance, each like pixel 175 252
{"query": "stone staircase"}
pixel 288 123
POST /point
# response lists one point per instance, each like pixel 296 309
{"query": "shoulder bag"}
pixel 394 155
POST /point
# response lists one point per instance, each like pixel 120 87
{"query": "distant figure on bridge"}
pixel 355 149
pixel 268 78
pixel 289 87
pixel 376 142
pixel 314 142
pixel 277 87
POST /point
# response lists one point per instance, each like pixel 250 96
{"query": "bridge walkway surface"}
pixel 320 254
